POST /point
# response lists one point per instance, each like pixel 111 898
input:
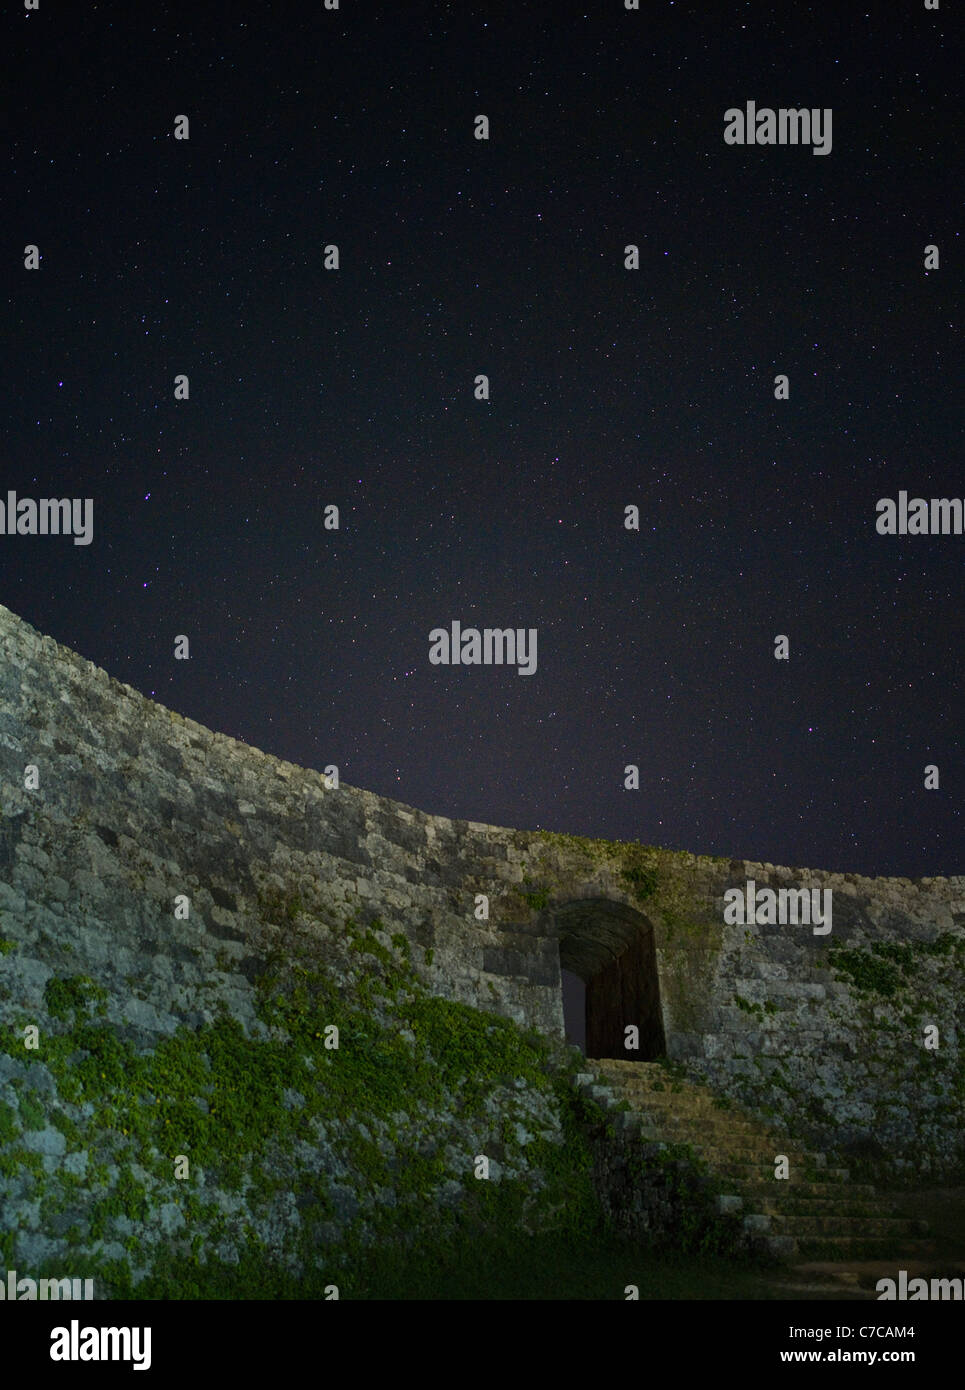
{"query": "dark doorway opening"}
pixel 610 948
pixel 574 1009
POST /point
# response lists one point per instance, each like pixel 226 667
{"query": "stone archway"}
pixel 610 946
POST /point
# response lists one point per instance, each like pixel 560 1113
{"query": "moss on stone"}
pixel 240 1105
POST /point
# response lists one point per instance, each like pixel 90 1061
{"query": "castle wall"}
pixel 137 805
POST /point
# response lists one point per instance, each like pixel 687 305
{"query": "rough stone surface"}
pixel 137 806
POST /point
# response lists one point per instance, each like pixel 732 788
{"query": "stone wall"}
pixel 136 806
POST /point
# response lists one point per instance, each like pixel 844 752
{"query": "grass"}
pixel 551 1268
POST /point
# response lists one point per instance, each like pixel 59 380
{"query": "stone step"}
pixel 705 1113
pixel 850 1248
pixel 658 1089
pixel 675 1105
pixel 815 1227
pixel 681 1102
pixel 631 1074
pixel 752 1171
pixel 751 1175
pixel 682 1105
pixel 718 1122
pixel 715 1123
pixel 639 1071
pixel 737 1158
pixel 815 1208
pixel 712 1120
pixel 738 1146
pixel 809 1190
pixel 753 1151
pixel 625 1064
pixel 655 1087
pixel 738 1153
pixel 802 1205
pixel 668 1091
pixel 874 1247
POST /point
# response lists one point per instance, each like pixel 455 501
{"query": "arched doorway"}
pixel 610 947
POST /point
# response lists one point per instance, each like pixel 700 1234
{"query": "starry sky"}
pixel 608 388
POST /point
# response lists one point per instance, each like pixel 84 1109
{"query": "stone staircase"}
pixel 816 1211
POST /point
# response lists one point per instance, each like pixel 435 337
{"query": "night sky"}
pixel 609 388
